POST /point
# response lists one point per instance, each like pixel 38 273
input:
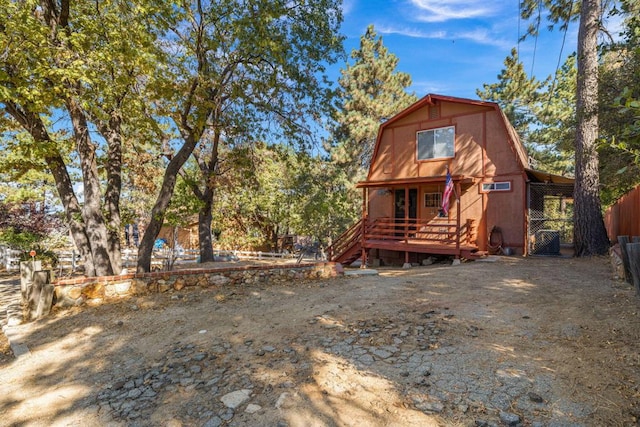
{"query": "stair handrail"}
pixel 352 235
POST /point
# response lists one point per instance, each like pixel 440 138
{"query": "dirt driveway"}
pixel 532 342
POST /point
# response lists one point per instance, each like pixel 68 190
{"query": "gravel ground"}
pixel 515 342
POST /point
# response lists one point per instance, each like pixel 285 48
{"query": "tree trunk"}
pixel 73 215
pixel 204 228
pixel 92 209
pixel 208 171
pixel 73 212
pixel 112 133
pixel 145 249
pixel 590 235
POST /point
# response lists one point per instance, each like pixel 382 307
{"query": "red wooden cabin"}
pixel 402 220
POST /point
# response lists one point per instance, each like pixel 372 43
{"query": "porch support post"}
pixel 406 226
pixel 406 216
pixel 457 186
pixel 365 193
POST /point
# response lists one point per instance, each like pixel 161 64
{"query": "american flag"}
pixel 448 189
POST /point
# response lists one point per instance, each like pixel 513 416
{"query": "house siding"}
pixel 486 150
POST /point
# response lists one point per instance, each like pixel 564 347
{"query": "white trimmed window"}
pixel 432 200
pixel 436 143
pixel 496 186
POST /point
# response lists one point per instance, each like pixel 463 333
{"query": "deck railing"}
pixel 418 231
pixel 438 231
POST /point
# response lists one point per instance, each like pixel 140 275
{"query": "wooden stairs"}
pixel 348 247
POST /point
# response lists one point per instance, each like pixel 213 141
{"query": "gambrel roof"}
pixel 432 99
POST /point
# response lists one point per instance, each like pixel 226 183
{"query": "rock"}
pixel 284 401
pixel 227 415
pixel 235 398
pixel 215 421
pixel 121 288
pixel 431 407
pixel 509 418
pixel 179 284
pixel 93 291
pixel 428 261
pixel 252 408
pixel 367 359
pixel 382 354
pixel 74 293
pixel 134 393
pixel 534 397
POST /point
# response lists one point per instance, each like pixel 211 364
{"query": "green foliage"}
pixel 543 113
pixel 371 91
pixel 265 191
pixel 26 225
pixel 620 109
pixel 516 93
pixel 553 132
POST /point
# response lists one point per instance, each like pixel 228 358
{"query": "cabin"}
pixel 450 176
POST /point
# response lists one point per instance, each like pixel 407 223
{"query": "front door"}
pixel 400 207
pixel 400 204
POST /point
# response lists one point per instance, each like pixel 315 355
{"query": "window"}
pixel 432 200
pixel 496 186
pixel 436 143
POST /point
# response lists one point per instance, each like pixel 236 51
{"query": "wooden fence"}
pixel 622 219
pixel 9 258
pixel 164 259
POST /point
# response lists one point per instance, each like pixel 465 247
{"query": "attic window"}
pixel 496 186
pixel 436 143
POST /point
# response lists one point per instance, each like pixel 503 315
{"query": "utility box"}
pixel 547 242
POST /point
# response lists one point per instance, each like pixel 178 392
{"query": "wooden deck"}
pixel 419 246
pixel 437 236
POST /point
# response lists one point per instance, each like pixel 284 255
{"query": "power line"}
pixel 519 19
pixel 564 38
pixel 535 45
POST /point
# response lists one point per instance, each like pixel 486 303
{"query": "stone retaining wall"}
pixel 96 290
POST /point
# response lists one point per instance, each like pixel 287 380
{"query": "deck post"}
pixel 458 220
pixel 406 215
pixel 363 263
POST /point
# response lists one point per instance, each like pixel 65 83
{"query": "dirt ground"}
pixel 518 341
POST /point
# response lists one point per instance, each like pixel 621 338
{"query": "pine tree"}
pixel 516 93
pixel 590 235
pixel 371 91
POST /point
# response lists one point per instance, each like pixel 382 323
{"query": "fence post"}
pixel 634 263
pixel 623 241
pixel 27 270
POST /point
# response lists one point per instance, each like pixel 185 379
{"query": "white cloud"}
pixel 440 11
pixel 478 35
pixel 347 6
pixel 422 88
pixel 411 32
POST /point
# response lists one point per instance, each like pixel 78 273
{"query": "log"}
pixel 623 241
pixel 633 249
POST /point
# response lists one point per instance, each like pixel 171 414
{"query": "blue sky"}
pixel 452 47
